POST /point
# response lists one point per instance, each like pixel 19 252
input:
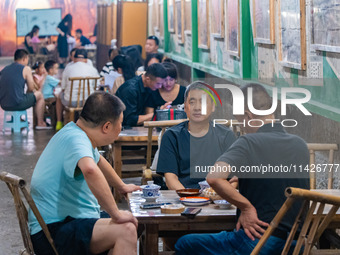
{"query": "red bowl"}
pixel 188 192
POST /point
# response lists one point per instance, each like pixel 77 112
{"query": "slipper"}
pixel 42 128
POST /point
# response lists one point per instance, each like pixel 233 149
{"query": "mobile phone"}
pixel 191 212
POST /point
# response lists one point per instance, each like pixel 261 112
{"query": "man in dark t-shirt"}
pixel 82 39
pixel 261 194
pixel 135 93
pixel 190 148
pixel 13 79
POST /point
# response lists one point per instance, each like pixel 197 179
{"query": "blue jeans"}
pixel 231 243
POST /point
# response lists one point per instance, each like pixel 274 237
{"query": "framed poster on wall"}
pixel 161 18
pixel 203 24
pixel 326 25
pixel 217 18
pixel 187 16
pixel 171 16
pixel 292 46
pixel 232 22
pixel 264 22
pixel 179 20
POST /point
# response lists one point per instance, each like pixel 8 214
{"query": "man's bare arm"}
pixel 101 190
pixel 248 218
pixel 27 74
pixel 113 179
pixel 142 118
pixel 172 181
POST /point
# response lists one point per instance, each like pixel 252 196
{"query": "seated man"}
pixel 70 184
pixel 79 69
pixel 135 93
pixel 82 39
pixel 108 66
pixel 71 61
pixel 12 84
pixel 260 196
pixel 151 44
pixel 193 143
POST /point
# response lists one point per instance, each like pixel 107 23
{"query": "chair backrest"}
pixel 316 221
pixel 14 183
pixel 85 88
pixel 163 124
pixel 329 167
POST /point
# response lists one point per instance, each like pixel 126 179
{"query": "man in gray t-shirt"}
pixel 188 149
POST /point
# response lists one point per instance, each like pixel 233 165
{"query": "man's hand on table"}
pixel 128 188
pixel 252 226
pixel 124 217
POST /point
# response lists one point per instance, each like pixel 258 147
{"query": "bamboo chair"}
pixel 86 85
pixel 15 183
pixel 313 147
pixel 163 124
pixel 314 223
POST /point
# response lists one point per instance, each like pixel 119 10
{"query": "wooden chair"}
pixel 15 183
pixel 314 224
pixel 150 125
pixel 313 147
pixel 163 124
pixel 84 90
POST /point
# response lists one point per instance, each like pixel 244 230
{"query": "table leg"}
pixel 117 164
pixel 150 246
pixel 149 148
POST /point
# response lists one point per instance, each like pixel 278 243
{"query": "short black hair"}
pixel 101 107
pixel 20 54
pixel 150 56
pixel 195 85
pixel 73 49
pixel 155 38
pixel 171 69
pixel 80 53
pixel 156 71
pixel 49 64
pixel 167 60
pixel 79 31
pixel 125 63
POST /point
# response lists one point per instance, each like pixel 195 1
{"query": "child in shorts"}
pixel 51 82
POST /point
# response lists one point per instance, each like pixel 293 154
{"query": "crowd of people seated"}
pixel 70 192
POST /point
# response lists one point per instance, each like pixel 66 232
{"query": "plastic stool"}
pixel 15 123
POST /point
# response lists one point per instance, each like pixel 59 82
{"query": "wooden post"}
pixel 149 148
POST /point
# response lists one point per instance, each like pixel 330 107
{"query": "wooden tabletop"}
pixel 170 196
pixel 136 134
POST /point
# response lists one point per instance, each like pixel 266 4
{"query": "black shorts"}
pixel 28 101
pixel 71 237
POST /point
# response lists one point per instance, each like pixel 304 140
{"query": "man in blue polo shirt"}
pixel 192 144
pixel 70 184
pixel 260 196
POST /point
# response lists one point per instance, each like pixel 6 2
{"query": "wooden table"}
pixel 210 219
pixel 157 224
pixel 137 136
